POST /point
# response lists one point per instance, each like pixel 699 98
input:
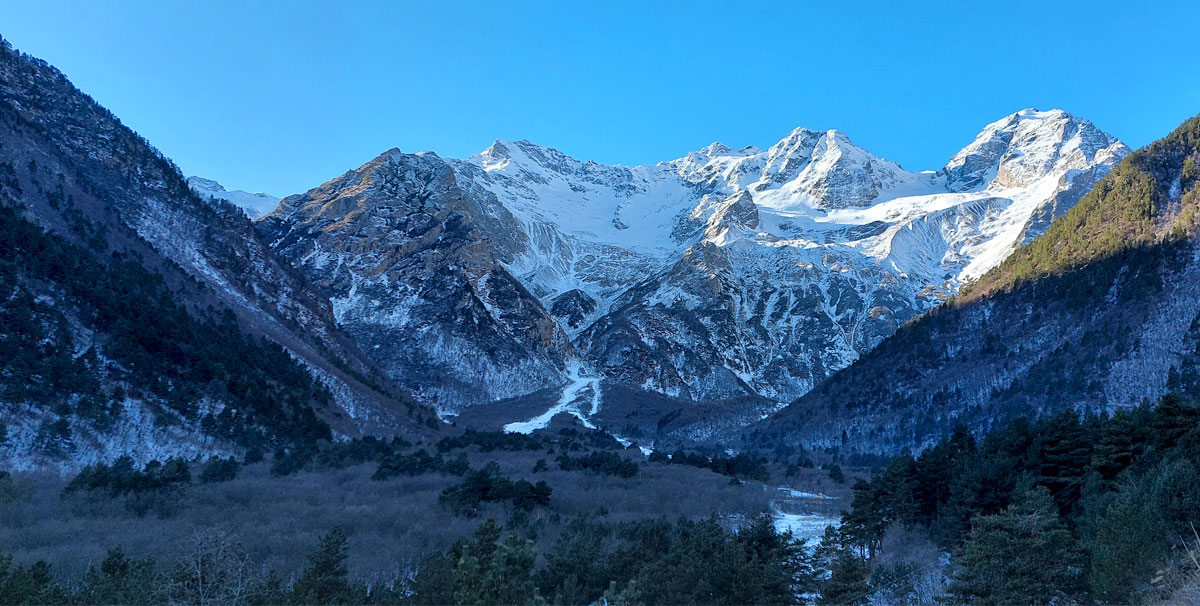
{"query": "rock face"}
pixel 417 279
pixel 724 274
pixel 1023 148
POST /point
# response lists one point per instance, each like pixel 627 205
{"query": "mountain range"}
pixel 737 276
pixel 810 292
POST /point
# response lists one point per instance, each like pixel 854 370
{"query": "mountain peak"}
pixel 529 156
pixel 202 185
pixel 1026 146
pixel 496 156
pixel 838 141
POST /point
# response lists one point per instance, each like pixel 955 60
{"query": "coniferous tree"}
pixel 629 595
pixel 509 579
pixel 575 569
pixel 1174 418
pixel 866 521
pixel 325 581
pixel 119 580
pixel 836 474
pixel 1175 487
pixel 434 582
pixel 28 584
pixel 219 470
pixel 1024 555
pixel 1119 441
pixel 1127 548
pixel 847 582
pixel 1066 451
pixel 491 573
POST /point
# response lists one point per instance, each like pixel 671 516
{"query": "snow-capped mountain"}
pixel 255 205
pixel 1101 312
pixel 724 274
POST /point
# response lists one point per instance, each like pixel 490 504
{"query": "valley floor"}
pixel 391 525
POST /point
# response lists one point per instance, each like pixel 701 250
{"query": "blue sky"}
pixel 281 96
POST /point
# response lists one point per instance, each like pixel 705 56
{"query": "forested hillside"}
pixel 140 319
pixel 80 339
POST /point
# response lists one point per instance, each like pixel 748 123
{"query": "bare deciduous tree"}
pixel 212 570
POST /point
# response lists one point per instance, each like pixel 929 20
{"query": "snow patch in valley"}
pixel 583 389
pixel 807 526
pixel 795 511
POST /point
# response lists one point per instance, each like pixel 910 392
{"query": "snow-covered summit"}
pixel 1029 145
pixel 255 204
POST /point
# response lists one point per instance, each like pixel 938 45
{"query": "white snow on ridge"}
pixel 599 228
pixel 254 204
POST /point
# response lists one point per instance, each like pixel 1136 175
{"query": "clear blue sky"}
pixel 282 96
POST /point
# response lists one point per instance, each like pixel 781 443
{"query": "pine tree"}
pixel 28 585
pixel 1121 439
pixel 509 579
pixel 776 566
pixel 119 580
pixel 1175 486
pixel 1126 549
pixel 487 573
pixel 629 595
pixel 847 583
pixel 1066 452
pixel 472 559
pixel 1175 418
pixel 866 521
pixel 1024 555
pixel 325 581
pixel 836 474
